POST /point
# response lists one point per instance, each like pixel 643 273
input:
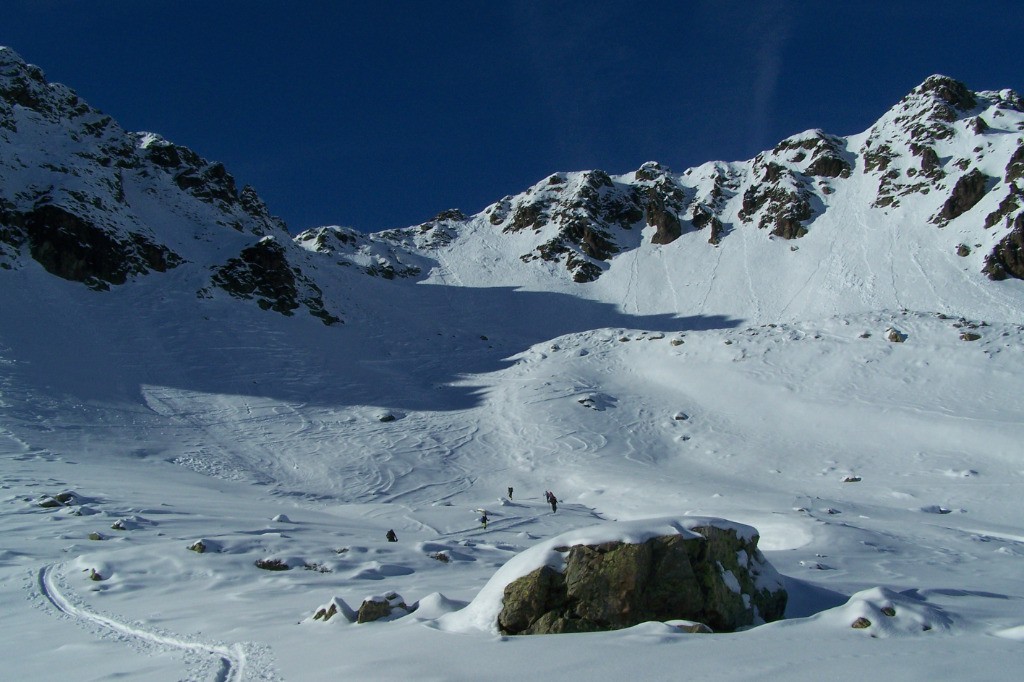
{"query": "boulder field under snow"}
pixel 618 575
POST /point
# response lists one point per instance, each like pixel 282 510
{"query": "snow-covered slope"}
pixel 853 399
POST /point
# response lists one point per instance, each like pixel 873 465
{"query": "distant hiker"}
pixel 483 520
pixel 554 502
pixel 391 536
pixel 510 492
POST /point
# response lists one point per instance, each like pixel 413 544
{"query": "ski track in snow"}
pixel 232 659
pixel 702 307
pixel 890 259
pixel 629 296
pixel 670 280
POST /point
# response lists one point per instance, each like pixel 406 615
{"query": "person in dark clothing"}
pixel 483 520
pixel 554 502
pixel 391 536
pixel 510 492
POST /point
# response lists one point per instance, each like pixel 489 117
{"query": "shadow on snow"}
pixel 405 348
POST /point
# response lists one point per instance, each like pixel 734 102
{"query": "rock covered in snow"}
pixel 621 574
pixel 382 606
pixel 332 608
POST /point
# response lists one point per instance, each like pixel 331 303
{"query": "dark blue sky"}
pixel 382 114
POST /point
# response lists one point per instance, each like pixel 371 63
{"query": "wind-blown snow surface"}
pixel 189 427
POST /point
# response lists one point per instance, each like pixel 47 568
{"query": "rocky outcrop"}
pixel 73 248
pixel 702 217
pixel 949 91
pixel 712 576
pixel 1007 207
pixel 919 123
pixel 663 199
pixel 93 203
pixel 782 210
pixel 967 192
pixel 578 216
pixel 816 154
pixel 390 254
pixel 263 272
pixel 1015 166
pixel 666 222
pixel 379 607
pixel 1007 258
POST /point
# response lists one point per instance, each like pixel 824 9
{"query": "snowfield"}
pixel 207 441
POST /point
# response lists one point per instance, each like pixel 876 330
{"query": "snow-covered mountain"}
pixel 824 343
pixel 921 211
pixel 92 203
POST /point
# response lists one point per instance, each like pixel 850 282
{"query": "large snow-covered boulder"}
pixel 618 575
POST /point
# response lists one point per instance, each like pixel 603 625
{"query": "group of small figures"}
pixel 548 495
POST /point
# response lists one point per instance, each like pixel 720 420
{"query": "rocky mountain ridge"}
pixel 581 220
pixel 942 172
pixel 92 203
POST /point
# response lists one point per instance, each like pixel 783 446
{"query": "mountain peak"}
pixel 947 90
pixel 11 60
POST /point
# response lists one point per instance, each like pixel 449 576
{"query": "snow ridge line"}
pixel 232 659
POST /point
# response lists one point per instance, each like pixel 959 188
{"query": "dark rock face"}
pixel 1007 258
pixel 950 91
pixel 1015 166
pixel 820 155
pixel 829 166
pixel 263 272
pixel 921 119
pixel 781 191
pixel 586 213
pixel 967 192
pixel 711 579
pixel 1010 204
pixel 72 248
pixel 663 201
pixel 667 224
pixel 451 214
pixel 702 218
pixel 662 211
pixel 932 106
pixel 784 210
pixel 931 165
